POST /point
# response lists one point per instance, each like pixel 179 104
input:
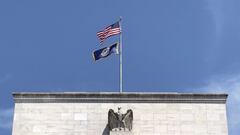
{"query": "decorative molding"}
pixel 104 97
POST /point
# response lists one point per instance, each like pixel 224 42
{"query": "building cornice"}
pixel 107 97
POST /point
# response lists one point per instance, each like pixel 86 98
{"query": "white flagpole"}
pixel 120 58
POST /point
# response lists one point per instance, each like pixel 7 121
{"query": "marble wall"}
pixel 91 118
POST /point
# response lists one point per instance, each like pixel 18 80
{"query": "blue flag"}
pixel 105 52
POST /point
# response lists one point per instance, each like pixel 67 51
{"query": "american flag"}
pixel 109 31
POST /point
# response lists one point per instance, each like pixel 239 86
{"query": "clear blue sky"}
pixel 168 45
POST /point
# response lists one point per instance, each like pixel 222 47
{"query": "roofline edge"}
pixel 126 97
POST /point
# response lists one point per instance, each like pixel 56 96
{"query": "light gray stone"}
pixel 161 114
pixel 80 116
pixel 120 133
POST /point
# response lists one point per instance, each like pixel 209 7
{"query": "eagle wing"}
pixel 128 118
pixel 112 120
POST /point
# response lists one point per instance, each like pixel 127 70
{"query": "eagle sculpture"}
pixel 120 121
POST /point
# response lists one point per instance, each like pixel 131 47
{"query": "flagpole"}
pixel 120 58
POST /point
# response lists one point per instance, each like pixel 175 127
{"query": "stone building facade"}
pixel 87 113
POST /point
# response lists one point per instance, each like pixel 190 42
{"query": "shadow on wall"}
pixel 106 130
